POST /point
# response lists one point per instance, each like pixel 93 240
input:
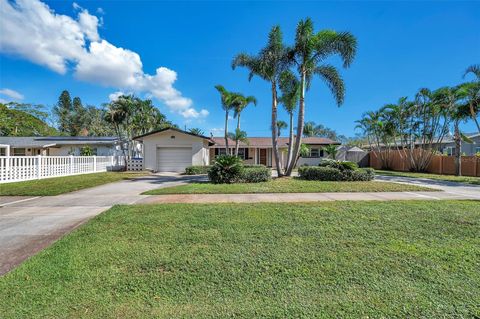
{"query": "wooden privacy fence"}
pixel 23 168
pixel 439 164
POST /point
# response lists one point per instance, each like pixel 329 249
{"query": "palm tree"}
pixel 226 98
pixel 268 64
pixel 196 131
pixel 239 103
pixel 471 93
pixel 309 129
pixel 281 125
pixel 238 136
pixel 309 54
pixel 331 150
pixel 290 87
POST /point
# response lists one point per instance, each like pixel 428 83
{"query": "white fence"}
pixel 24 168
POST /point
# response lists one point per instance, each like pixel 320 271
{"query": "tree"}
pixel 290 88
pixel 309 129
pixel 238 136
pixel 77 118
pixel 471 93
pixel 331 150
pixel 63 111
pixel 239 103
pixel 226 99
pixel 308 55
pixel 24 120
pixel 281 125
pixel 196 131
pixel 268 64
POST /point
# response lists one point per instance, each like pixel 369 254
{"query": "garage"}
pixel 173 159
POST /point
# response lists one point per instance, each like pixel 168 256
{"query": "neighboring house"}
pixel 58 145
pixel 468 149
pixel 447 146
pixel 172 150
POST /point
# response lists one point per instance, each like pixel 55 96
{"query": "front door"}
pixel 263 156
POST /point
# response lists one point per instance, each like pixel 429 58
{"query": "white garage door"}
pixel 173 159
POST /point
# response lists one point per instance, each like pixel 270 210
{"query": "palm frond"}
pixel 333 80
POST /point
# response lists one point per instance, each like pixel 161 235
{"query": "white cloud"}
pixel 32 30
pixel 12 94
pixel 217 131
pixel 115 95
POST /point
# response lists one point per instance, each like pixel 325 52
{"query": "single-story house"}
pixel 172 150
pixel 58 145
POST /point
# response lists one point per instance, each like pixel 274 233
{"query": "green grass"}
pixel 448 178
pixel 334 260
pixel 286 185
pixel 61 185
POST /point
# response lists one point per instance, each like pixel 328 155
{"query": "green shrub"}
pixel 196 170
pixel 325 173
pixel 227 169
pixel 349 165
pixel 256 174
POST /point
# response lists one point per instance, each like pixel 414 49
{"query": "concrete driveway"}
pixel 29 224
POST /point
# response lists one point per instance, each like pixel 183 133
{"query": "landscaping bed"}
pixel 287 185
pixel 344 259
pixel 65 184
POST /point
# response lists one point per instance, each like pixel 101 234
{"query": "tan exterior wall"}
pixel 439 164
pixel 152 142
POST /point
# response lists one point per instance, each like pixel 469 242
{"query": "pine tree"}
pixel 63 111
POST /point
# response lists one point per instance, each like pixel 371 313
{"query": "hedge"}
pixel 196 170
pixel 325 173
pixel 256 174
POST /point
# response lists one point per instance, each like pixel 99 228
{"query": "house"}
pixel 447 146
pixel 172 150
pixel 58 145
pixel 468 149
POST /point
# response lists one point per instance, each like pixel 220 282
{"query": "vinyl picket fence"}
pixel 24 168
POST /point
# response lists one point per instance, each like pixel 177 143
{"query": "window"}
pixel 3 152
pixel 477 150
pixel 242 152
pixel 314 152
pixel 18 152
pixel 449 150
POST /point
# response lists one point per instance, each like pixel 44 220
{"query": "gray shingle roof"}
pixel 45 141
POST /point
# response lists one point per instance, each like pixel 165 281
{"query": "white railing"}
pixel 24 168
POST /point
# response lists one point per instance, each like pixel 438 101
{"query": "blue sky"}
pixel 402 46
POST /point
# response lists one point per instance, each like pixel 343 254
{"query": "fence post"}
pixel 94 163
pixel 39 166
pixel 71 165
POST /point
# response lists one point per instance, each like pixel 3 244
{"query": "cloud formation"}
pixel 32 30
pixel 10 95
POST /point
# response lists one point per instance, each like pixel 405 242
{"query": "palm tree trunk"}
pixel 236 134
pixel 473 115
pixel 274 129
pixel 300 123
pixel 458 150
pixel 290 142
pixel 226 134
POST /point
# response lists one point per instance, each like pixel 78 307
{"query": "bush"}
pixel 227 169
pixel 351 166
pixel 326 173
pixel 256 174
pixel 346 165
pixel 196 170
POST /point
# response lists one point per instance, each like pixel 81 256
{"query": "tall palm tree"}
pixel 290 87
pixel 239 103
pixel 281 125
pixel 227 99
pixel 309 54
pixel 196 131
pixel 471 93
pixel 268 64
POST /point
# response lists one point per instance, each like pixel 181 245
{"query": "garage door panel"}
pixel 173 159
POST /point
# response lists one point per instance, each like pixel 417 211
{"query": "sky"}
pixel 176 52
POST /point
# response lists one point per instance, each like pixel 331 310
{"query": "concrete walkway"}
pixel 29 224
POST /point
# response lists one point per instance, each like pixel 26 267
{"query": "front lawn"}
pixel 448 178
pixel 65 184
pixel 286 185
pixel 337 260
